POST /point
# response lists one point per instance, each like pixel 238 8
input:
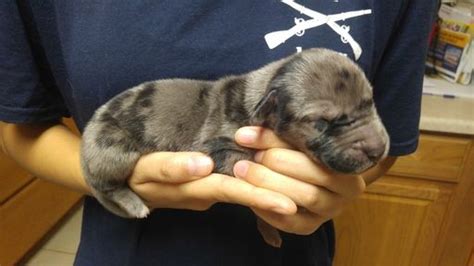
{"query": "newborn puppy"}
pixel 318 101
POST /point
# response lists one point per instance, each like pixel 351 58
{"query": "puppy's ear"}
pixel 264 113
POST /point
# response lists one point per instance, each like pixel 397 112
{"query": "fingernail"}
pixel 199 165
pixel 258 156
pixel 246 135
pixel 241 168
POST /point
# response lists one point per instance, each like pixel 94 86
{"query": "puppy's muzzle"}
pixel 353 151
pixel 374 147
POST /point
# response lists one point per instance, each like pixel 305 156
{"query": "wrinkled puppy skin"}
pixel 318 101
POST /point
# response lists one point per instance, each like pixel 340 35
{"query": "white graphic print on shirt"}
pixel 276 38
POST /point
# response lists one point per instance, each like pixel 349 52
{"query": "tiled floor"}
pixel 60 248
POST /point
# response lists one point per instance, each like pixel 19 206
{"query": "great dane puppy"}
pixel 318 101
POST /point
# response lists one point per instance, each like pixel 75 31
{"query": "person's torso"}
pixel 97 49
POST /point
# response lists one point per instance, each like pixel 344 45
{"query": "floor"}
pixel 60 248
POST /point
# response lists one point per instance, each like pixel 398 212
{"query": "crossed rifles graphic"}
pixel 274 39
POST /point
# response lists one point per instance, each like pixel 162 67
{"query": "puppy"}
pixel 318 101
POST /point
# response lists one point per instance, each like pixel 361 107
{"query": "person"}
pixel 66 58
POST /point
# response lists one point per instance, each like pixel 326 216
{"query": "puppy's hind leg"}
pixel 225 153
pixel 269 233
pixel 108 157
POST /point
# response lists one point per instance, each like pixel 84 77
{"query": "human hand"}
pixel 183 180
pixel 320 193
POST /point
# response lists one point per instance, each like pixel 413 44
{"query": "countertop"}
pixel 447 114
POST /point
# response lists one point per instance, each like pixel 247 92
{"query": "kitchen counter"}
pixel 447 115
pixel 447 107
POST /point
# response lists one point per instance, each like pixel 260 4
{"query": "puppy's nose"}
pixel 374 148
pixel 376 153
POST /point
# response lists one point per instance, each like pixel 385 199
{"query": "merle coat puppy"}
pixel 318 101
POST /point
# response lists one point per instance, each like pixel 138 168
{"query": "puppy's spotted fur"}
pixel 318 101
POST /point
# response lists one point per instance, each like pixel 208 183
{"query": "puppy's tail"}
pixel 123 202
pixel 106 172
pixel 108 157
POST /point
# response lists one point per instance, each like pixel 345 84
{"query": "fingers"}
pixel 348 186
pixel 202 193
pixel 297 165
pixel 222 188
pixel 314 198
pixel 302 223
pixel 184 180
pixel 321 192
pixel 171 167
pixel 259 138
pixel 280 157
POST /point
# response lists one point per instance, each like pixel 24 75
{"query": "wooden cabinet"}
pixel 29 208
pixel 420 213
pixel 471 260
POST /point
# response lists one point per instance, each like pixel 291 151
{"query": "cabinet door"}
pixel 437 158
pixel 395 222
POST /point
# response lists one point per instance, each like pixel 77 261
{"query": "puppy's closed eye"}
pixel 342 121
pixel 321 124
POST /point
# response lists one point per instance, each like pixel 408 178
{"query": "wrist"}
pixel 378 170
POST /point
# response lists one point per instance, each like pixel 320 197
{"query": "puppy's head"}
pixel 321 103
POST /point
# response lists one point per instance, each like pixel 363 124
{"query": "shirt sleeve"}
pixel 398 79
pixel 26 96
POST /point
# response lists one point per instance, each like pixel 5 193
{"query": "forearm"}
pixel 378 170
pixel 50 152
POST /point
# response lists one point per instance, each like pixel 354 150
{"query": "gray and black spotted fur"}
pixel 318 101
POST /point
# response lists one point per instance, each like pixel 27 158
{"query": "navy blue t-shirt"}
pixel 61 58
